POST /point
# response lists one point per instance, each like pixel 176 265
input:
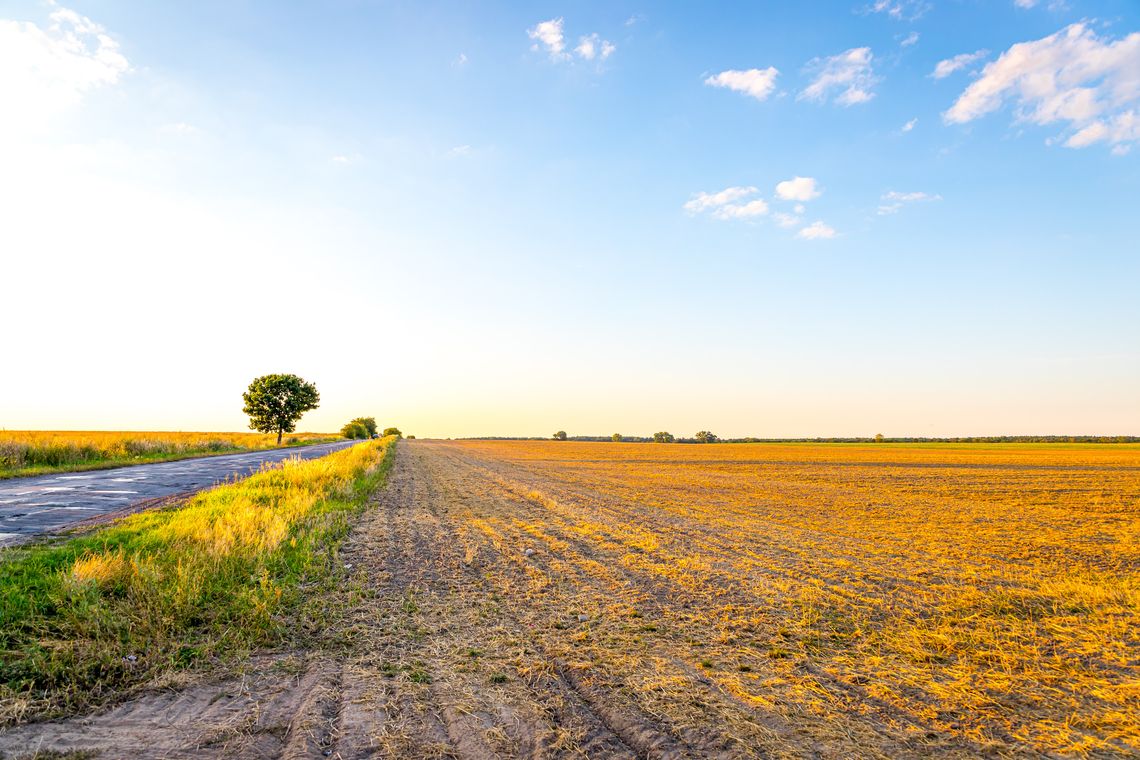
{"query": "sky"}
pixel 914 217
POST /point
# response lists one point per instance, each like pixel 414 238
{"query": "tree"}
pixel 355 429
pixel 369 424
pixel 616 438
pixel 560 435
pixel 879 438
pixel 705 436
pixel 393 431
pixel 275 403
pixel 663 437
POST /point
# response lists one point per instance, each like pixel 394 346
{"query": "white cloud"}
pixel 787 220
pixel 1072 77
pixel 592 46
pixel 893 201
pixel 757 207
pixel 548 34
pixel 800 208
pixel 461 60
pixel 948 66
pixel 704 201
pixel 47 70
pixel 797 189
pixel 723 204
pixel 910 39
pixel 1025 3
pixel 849 72
pixel 758 83
pixel 910 125
pixel 901 10
pixel 458 151
pixel 817 231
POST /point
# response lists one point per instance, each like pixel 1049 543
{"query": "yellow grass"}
pixel 986 591
pixel 27 452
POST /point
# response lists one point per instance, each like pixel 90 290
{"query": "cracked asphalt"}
pixel 29 506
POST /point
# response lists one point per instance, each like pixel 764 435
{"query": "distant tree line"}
pixel 707 437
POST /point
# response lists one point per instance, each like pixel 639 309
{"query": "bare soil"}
pixel 477 619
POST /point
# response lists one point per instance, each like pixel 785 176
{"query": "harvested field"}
pixel 608 600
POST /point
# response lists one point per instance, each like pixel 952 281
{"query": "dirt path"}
pixel 485 615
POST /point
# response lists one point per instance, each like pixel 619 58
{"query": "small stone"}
pixel 583 618
pixel 529 552
pixel 347 565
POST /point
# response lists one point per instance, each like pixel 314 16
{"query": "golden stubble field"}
pixel 567 600
pixel 988 594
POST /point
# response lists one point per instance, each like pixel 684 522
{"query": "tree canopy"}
pixel 560 435
pixel 275 403
pixel 663 437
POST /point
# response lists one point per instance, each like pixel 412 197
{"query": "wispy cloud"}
pixel 817 231
pixel 849 73
pixel 459 151
pixel 550 36
pixel 1072 77
pixel 910 39
pixel 592 46
pixel 901 10
pixel 909 125
pixel 948 66
pixel 48 69
pixel 757 83
pixel 725 203
pixel 892 201
pixel 797 189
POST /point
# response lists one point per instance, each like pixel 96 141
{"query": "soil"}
pixel 477 619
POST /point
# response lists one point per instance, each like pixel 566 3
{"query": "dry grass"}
pixel 33 452
pixel 989 593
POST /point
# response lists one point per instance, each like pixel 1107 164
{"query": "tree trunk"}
pixel 279 437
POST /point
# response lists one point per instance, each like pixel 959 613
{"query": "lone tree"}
pixel 705 436
pixel 879 438
pixel 275 403
pixel 560 435
pixel 616 438
pixel 393 431
pixel 663 437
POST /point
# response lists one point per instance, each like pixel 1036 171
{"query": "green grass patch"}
pixel 157 591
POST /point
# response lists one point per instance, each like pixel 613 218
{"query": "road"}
pixel 48 502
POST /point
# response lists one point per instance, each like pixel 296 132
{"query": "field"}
pixel 37 452
pixel 560 599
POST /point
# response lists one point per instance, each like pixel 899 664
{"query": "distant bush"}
pixel 705 436
pixel 354 430
pixel 393 431
pixel 616 438
pixel 560 435
pixel 663 437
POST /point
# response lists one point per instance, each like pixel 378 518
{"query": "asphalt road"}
pixel 48 502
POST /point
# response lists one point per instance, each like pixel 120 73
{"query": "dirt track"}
pixel 483 621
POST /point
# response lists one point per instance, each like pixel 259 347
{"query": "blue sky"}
pixel 760 219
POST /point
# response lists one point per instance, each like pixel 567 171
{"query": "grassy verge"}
pixel 35 453
pixel 159 591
